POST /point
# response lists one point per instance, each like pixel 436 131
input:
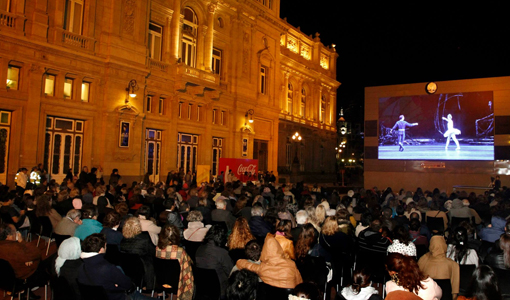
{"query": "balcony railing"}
pixel 11 20
pixel 158 65
pixel 196 73
pixel 73 40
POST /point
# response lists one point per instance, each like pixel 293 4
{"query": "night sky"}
pixel 381 45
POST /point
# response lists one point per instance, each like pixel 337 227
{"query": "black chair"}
pixel 503 280
pixel 207 284
pixel 191 248
pixel 435 225
pixel 446 286
pixel 95 292
pixel 60 238
pixel 8 280
pixel 133 267
pixel 421 250
pixel 112 254
pixel 269 292
pixel 466 271
pixel 45 231
pixel 61 289
pixel 167 276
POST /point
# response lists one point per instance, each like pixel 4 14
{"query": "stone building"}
pixel 150 86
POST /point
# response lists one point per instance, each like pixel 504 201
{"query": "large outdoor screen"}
pixel 458 126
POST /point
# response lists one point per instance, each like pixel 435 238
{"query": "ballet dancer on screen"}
pixel 401 124
pixel 451 133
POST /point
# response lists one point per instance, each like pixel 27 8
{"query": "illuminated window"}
pixel 74 16
pixel 216 61
pixel 68 88
pixel 148 105
pixel 85 91
pixel 263 80
pixel 49 85
pixel 303 103
pixel 189 37
pixel 161 106
pixel 13 78
pixel 290 96
pixel 217 154
pixel 155 38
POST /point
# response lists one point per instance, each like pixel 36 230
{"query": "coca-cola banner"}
pixel 242 169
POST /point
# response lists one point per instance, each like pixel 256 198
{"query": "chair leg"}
pixel 38 240
pixel 48 248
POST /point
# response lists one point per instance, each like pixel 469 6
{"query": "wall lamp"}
pixel 132 88
pixel 248 116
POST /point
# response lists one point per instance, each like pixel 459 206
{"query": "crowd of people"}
pixel 367 244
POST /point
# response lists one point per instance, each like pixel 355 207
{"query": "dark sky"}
pixel 381 45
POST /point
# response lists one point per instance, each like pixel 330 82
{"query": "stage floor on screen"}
pixel 437 152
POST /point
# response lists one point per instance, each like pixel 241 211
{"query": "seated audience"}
pixel 221 214
pixel 144 214
pixel 44 209
pixel 238 239
pixel 111 224
pixel 90 224
pixel 499 257
pixel 493 231
pixel 242 285
pixel 283 236
pixel 407 276
pixel 196 230
pixel 212 255
pixel 258 226
pixel 483 285
pixel 274 268
pixel 361 288
pixel 402 242
pixel 459 250
pixel 168 248
pixel 68 225
pixel 96 270
pixel 436 265
pixel 68 262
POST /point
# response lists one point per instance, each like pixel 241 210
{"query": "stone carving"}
pixel 129 16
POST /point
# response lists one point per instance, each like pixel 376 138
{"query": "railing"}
pixel 196 73
pixel 158 65
pixel 7 19
pixel 73 40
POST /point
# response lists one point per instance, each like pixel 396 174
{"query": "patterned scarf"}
pixel 186 280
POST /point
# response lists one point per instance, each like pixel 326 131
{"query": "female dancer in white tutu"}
pixel 451 133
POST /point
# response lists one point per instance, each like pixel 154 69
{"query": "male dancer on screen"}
pixel 401 124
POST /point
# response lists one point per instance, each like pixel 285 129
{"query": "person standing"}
pixel 21 181
pixel 401 125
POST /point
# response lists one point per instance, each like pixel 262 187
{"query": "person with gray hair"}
pixel 68 225
pixel 221 214
pixel 258 226
pixel 301 220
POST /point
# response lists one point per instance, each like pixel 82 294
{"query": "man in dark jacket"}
pixel 221 214
pixel 96 270
pixel 258 226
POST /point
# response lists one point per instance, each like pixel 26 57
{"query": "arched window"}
pixel 290 95
pixel 189 37
pixel 323 109
pixel 303 102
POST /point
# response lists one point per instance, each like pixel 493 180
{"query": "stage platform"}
pixel 437 152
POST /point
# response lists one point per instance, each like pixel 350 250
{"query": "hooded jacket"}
pixel 493 233
pixel 436 265
pixel 274 268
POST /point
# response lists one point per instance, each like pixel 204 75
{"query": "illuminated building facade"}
pixel 149 86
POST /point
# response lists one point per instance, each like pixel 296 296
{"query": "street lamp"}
pixel 249 113
pixel 131 90
pixel 296 137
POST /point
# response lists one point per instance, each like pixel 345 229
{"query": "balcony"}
pixel 186 70
pixel 155 64
pixel 12 21
pixel 75 41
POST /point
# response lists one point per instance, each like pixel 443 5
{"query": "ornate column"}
pixel 175 32
pixel 286 92
pixel 202 30
pixel 209 37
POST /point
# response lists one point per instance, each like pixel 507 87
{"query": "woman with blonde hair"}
pixel 312 218
pixel 333 241
pixel 238 238
pixel 168 248
pixel 137 242
pixel 320 212
pixel 196 230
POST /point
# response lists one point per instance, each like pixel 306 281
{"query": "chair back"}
pixel 46 228
pixel 7 276
pixel 435 225
pixel 6 218
pixel 374 262
pixel 133 267
pixel 191 248
pixel 503 280
pixel 95 292
pixel 167 274
pixel 466 271
pixel 269 292
pixel 60 238
pixel 61 289
pixel 112 254
pixel 446 286
pixel 207 284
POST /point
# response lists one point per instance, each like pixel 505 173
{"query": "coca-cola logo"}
pixel 250 169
